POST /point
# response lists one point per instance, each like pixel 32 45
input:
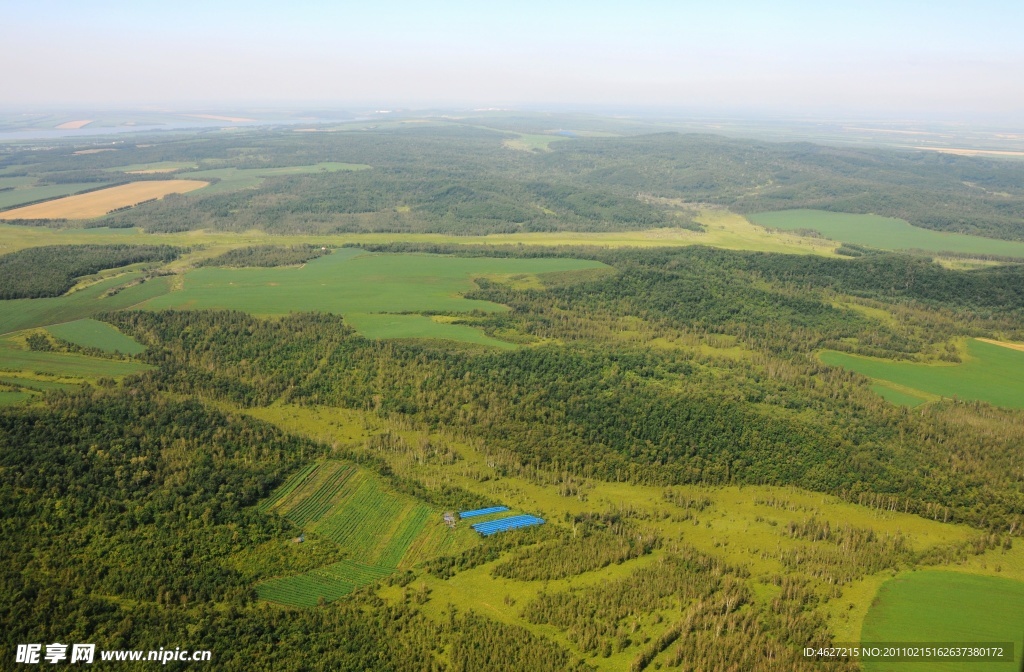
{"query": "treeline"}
pixel 52 270
pixel 266 256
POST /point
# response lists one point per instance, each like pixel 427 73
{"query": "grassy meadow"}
pixel 235 179
pixel 990 373
pixel 95 334
pixel 884 232
pixel 371 286
pixel 940 606
pixel 746 526
pixel 17 314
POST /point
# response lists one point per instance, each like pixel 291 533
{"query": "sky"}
pixel 940 59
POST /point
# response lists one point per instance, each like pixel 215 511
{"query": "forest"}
pixel 452 177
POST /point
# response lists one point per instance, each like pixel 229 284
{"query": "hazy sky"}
pixel 946 58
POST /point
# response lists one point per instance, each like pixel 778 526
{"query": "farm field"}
pixel 351 281
pixel 884 232
pixel 27 193
pixel 939 606
pixel 90 333
pixel 17 314
pixel 14 356
pixel 990 373
pixel 99 203
pixel 235 179
pixel 377 528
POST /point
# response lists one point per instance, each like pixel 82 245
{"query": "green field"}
pixel 18 314
pixel 351 508
pixel 884 232
pixel 352 282
pixel 989 373
pixel 90 333
pixel 26 194
pixel 15 357
pixel 936 606
pixel 12 397
pixel 235 179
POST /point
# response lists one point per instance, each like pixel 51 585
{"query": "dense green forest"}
pixel 52 270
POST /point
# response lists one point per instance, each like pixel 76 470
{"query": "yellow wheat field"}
pixel 100 202
pixel 78 123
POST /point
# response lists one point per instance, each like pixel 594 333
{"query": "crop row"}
pixel 330 583
pixel 410 528
pixel 363 521
pixel 313 507
pixel 288 487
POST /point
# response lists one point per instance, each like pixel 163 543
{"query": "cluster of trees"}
pixel 53 269
pixel 266 256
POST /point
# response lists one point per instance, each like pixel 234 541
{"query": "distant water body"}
pixel 193 125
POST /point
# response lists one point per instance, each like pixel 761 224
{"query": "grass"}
pixel 14 356
pixel 90 333
pixel 884 232
pixel 937 606
pixel 12 397
pixel 378 325
pixel 989 373
pixel 897 396
pixel 723 229
pixel 530 142
pixel 351 282
pixel 18 314
pixel 236 179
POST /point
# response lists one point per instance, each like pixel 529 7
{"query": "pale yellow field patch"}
pixel 971 152
pixel 95 151
pixel 70 125
pixel 100 202
pixel 217 117
pixel 1011 346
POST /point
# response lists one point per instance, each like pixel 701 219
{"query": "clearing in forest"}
pixel 350 507
pixel 100 202
pixel 381 293
pixel 95 334
pixel 884 233
pixel 938 606
pixel 989 373
pixel 114 293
